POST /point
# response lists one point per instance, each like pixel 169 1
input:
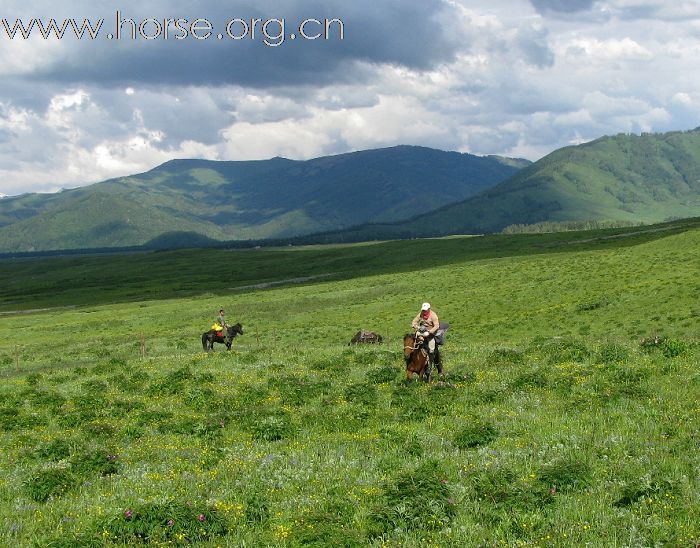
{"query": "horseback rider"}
pixel 426 324
pixel 220 323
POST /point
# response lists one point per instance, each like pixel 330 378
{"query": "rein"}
pixel 416 345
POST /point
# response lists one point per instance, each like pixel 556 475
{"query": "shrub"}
pixel 118 408
pixel 186 426
pixel 638 489
pixel 409 403
pixel 12 418
pixel 490 393
pixel 99 429
pixel 385 373
pixel 474 435
pixel 364 394
pixel 171 522
pixel 94 387
pixel 203 378
pixel 531 378
pixel 247 358
pixel 51 482
pixel 330 525
pixel 565 473
pixel 440 399
pixel 334 365
pixel 672 348
pixel 591 305
pixel 9 418
pixel 505 356
pixel 408 443
pixel 45 398
pixel 173 383
pixel 367 357
pixel 153 418
pixel 272 428
pixel 619 380
pixel 565 350
pixel 34 379
pixel 210 428
pixel 502 492
pixel 298 390
pixel 202 397
pixel 75 418
pixel 109 366
pixel 53 450
pixel 100 461
pixel 257 510
pixel 612 352
pixel 460 374
pixel 415 499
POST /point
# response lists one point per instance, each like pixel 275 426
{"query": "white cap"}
pixel 426 306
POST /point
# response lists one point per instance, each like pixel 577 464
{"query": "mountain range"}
pixel 275 198
pixel 404 191
pixel 644 178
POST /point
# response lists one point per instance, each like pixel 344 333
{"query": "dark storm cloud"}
pixel 411 34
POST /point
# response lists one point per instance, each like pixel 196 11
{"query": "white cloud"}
pixel 597 50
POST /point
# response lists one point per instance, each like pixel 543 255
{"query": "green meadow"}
pixel 569 415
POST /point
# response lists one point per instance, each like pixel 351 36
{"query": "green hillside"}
pixel 248 200
pixel 568 417
pixel 647 178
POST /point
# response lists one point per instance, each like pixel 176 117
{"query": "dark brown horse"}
pixel 366 337
pixel 212 336
pixel 417 358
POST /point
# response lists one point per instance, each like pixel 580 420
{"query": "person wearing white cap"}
pixel 426 323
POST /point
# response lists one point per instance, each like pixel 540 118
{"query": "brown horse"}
pixel 366 337
pixel 417 358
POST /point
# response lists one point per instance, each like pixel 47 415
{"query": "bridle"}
pixel 416 345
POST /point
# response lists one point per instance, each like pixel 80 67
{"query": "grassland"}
pixel 554 427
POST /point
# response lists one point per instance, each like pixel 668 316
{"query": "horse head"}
pixel 234 330
pixel 409 345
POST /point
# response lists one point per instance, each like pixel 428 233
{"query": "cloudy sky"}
pixel 512 77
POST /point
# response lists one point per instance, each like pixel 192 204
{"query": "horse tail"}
pixel 204 341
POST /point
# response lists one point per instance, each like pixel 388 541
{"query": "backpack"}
pixel 440 333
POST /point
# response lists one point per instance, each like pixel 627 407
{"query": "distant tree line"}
pixel 566 226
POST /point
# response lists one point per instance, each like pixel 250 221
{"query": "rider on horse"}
pixel 426 324
pixel 220 322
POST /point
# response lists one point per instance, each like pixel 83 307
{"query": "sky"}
pixel 518 78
